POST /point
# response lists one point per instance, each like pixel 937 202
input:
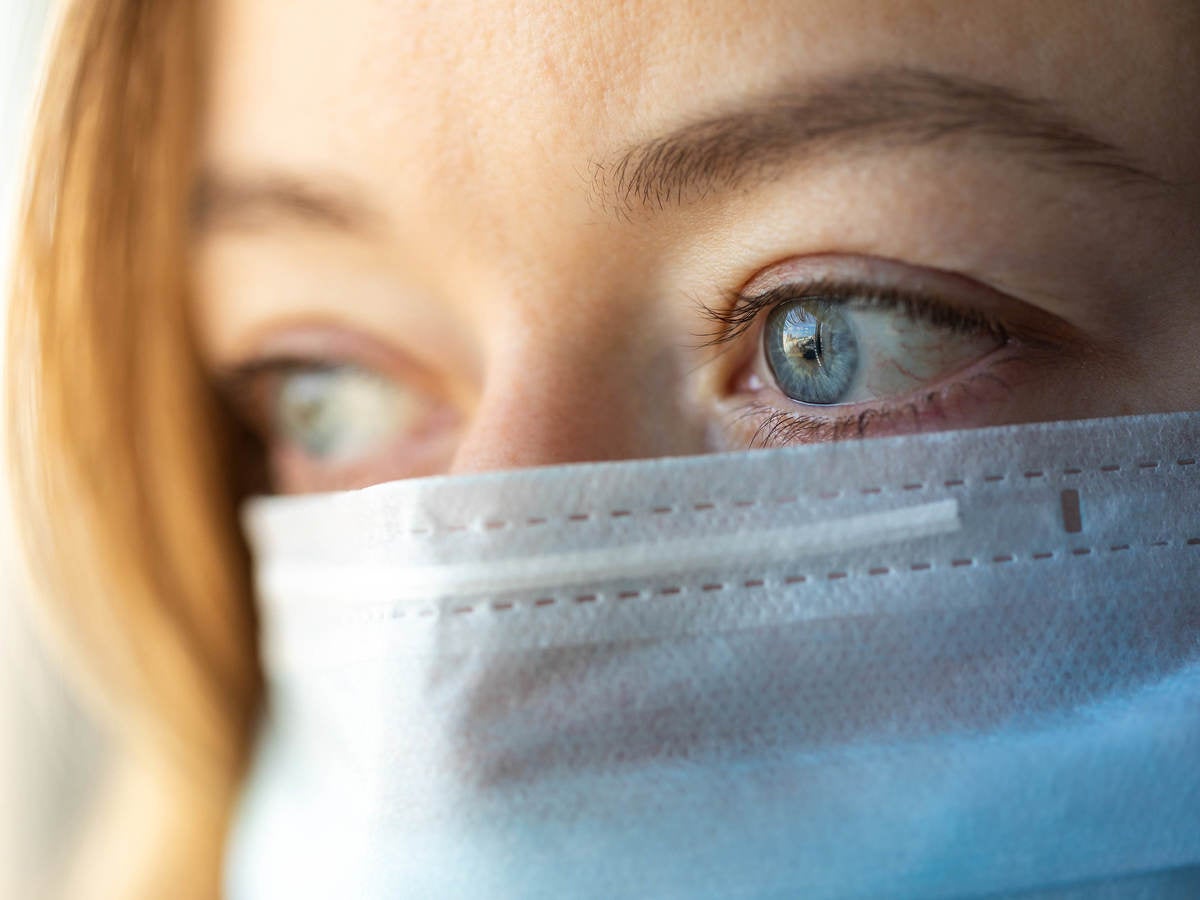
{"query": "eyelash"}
pixel 743 310
pixel 247 385
pixel 779 427
pixel 244 386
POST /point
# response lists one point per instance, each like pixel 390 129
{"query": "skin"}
pixel 469 243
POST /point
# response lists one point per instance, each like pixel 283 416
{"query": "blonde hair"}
pixel 124 463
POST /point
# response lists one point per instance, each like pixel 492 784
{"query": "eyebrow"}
pixel 236 201
pixel 889 109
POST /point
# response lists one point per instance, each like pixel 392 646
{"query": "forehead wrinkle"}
pixel 889 108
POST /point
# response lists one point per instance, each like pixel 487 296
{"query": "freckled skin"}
pixel 559 332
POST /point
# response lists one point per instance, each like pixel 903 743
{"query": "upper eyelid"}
pixel 330 346
pixel 742 310
pixel 283 364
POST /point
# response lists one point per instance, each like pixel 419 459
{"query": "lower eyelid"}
pixel 961 400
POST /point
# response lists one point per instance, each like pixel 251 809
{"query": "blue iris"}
pixel 812 351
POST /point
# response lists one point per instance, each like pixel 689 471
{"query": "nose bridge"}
pixel 563 392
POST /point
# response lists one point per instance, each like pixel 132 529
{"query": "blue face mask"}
pixel 946 665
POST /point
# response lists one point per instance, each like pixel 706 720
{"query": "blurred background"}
pixel 49 751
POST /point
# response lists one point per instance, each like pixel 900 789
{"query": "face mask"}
pixel 944 665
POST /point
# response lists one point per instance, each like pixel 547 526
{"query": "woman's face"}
pixel 454 236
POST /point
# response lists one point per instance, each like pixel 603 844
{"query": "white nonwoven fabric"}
pixel 948 665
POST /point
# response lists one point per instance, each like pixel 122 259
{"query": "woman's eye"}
pixel 325 421
pixel 829 359
pixel 825 352
pixel 339 414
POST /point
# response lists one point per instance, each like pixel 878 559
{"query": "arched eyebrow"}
pixel 890 109
pixel 223 199
pixel 887 109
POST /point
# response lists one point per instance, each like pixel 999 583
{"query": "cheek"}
pixel 1168 376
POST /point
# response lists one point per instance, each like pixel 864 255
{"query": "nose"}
pixel 554 401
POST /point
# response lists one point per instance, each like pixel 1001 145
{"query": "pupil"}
pixel 802 335
pixel 810 347
pixel 308 410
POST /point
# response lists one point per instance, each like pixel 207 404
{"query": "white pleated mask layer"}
pixel 947 665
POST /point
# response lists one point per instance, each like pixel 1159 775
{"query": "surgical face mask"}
pixel 946 665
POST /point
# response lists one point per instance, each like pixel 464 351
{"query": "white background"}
pixel 46 758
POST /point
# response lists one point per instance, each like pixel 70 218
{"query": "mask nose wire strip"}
pixel 631 561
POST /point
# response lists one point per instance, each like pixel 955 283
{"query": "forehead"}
pixel 470 105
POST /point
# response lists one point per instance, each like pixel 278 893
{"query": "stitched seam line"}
pixel 699 506
pixel 995 559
